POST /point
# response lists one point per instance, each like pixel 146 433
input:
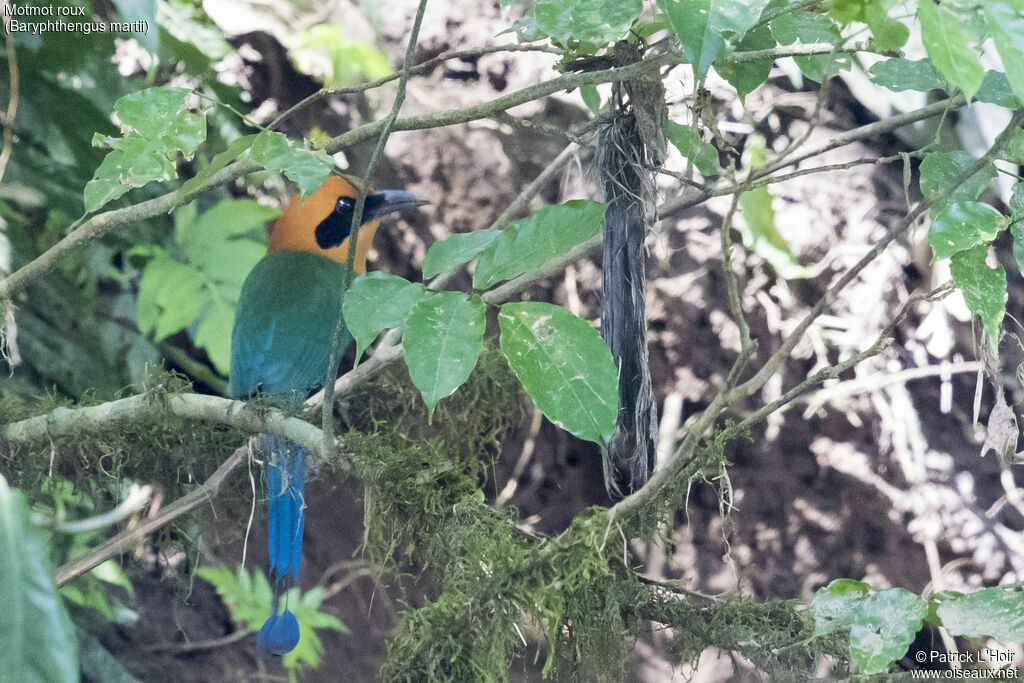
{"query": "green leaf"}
pixel 276 153
pixel 564 365
pixel 995 89
pixel 898 74
pixel 745 76
pixel 1017 201
pixel 214 333
pixel 996 612
pixel 37 635
pixel 442 338
pixel 948 44
pixel 811 27
pixel 528 244
pixel 703 26
pixel 375 302
pixel 1017 230
pixel 940 169
pixel 170 296
pixel 964 225
pixel 884 627
pixel 157 124
pixel 139 11
pixel 888 34
pixel 351 63
pixel 591 98
pixel 204 287
pixel 448 254
pixel 691 146
pixel 835 606
pixel 984 288
pixel 1006 22
pixel 758 228
pixel 592 21
pixel 1013 150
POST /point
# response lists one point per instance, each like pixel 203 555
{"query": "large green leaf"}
pixel 691 146
pixel 528 244
pixel 704 26
pixel 996 612
pixel 748 74
pixel 1006 21
pixel 157 124
pixel 564 365
pixel 900 74
pixel 442 338
pixel 37 636
pixel 964 225
pixel 940 169
pixel 948 43
pixel 882 626
pixel 375 302
pixel 276 153
pixel 448 254
pixel 995 89
pixel 593 21
pixel 203 286
pixel 983 287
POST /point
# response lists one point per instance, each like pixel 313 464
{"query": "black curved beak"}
pixel 384 202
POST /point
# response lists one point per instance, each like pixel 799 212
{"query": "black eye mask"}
pixel 335 229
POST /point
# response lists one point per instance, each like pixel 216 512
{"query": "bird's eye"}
pixel 344 203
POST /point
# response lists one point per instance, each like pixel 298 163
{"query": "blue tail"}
pixel 286 478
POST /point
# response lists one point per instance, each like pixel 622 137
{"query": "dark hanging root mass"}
pixel 629 459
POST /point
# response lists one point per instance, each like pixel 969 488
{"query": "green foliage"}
pixel 157 124
pixel 528 244
pixel 564 365
pixel 962 229
pixel 351 63
pixel 691 146
pixel 888 34
pixel 881 626
pixel 591 21
pixel 704 26
pixel 450 253
pixel 811 27
pixel 745 76
pixel 279 154
pixel 37 636
pixel 199 288
pixel 758 229
pixel 939 170
pixel 1005 19
pixel 377 301
pixel 997 612
pixel 250 600
pixel 983 286
pixel 950 46
pixel 900 74
pixel 442 337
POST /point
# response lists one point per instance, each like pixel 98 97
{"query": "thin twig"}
pixel 357 218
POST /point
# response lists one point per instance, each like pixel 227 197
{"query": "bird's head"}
pixel 321 222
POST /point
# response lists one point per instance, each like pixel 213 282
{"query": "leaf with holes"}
pixel 964 225
pixel 983 287
pixel 564 365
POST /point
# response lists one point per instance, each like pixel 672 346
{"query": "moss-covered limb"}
pixel 72 422
pixel 775 635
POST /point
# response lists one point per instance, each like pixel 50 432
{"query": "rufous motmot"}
pixel 280 347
